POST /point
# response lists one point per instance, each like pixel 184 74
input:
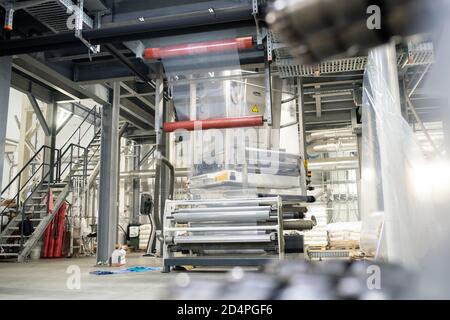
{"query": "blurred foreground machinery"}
pixel 315 30
pixel 296 280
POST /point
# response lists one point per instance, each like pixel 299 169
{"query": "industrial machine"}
pixel 245 192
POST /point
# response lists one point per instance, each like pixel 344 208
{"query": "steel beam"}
pixel 126 62
pixel 22 83
pixel 5 83
pixel 40 70
pixel 39 115
pixel 136 115
pixel 106 71
pixel 137 96
pixel 177 20
pixel 107 216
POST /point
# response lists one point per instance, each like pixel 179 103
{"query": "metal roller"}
pixel 235 216
pixel 201 239
pixel 223 208
pixel 188 49
pixel 298 225
pixel 222 123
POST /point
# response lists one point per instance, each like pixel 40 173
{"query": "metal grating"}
pixel 289 68
pixel 55 14
pixel 419 54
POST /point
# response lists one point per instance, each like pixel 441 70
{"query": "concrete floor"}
pixel 47 279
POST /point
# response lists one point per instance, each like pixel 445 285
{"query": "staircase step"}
pixel 10 245
pixel 14 236
pixel 9 254
pixel 35 205
pixel 54 185
pixel 37 211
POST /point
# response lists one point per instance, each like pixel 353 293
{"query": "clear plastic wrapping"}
pixel 211 86
pixel 400 222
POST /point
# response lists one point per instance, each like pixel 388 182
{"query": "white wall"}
pixel 12 130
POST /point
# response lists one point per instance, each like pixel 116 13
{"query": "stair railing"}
pixel 62 167
pixel 43 153
pixel 80 132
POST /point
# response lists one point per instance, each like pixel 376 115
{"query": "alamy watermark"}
pixel 373 281
pixel 374 20
pixel 73 281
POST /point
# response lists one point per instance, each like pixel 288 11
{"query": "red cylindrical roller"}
pixel 222 123
pixel 48 232
pixel 59 219
pixel 199 48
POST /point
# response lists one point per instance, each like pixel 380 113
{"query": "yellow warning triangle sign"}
pixel 255 108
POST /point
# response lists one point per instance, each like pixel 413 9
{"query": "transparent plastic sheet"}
pixel 433 280
pixel 400 222
pixel 210 85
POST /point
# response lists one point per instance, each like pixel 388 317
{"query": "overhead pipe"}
pixel 221 123
pixel 334 146
pixel 344 163
pixel 203 47
pixel 330 134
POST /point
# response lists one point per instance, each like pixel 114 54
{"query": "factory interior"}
pixel 224 149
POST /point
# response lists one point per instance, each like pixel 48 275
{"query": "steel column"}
pixel 5 83
pixel 107 215
pixel 158 199
pixel 50 140
pixel 301 134
pixel 53 130
pixel 136 184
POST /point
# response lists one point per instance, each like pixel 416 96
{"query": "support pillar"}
pixel 301 134
pixel 109 159
pixel 51 139
pixel 160 183
pixel 5 83
pixel 136 184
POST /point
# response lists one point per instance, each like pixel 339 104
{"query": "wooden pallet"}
pixel 344 245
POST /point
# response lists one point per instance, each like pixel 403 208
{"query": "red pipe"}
pixel 222 123
pixel 199 48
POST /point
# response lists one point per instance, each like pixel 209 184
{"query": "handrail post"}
pixel 85 166
pixel 70 163
pixel 21 211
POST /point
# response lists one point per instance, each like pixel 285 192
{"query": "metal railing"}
pixel 67 160
pixel 79 130
pixel 44 152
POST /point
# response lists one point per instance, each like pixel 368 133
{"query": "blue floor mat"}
pixel 136 269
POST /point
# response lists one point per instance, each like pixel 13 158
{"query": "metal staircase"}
pixel 72 166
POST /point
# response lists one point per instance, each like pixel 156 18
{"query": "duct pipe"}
pixel 329 134
pixel 345 163
pixel 214 124
pixel 179 172
pixel 335 146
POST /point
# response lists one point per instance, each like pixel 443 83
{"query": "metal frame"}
pixel 171 228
